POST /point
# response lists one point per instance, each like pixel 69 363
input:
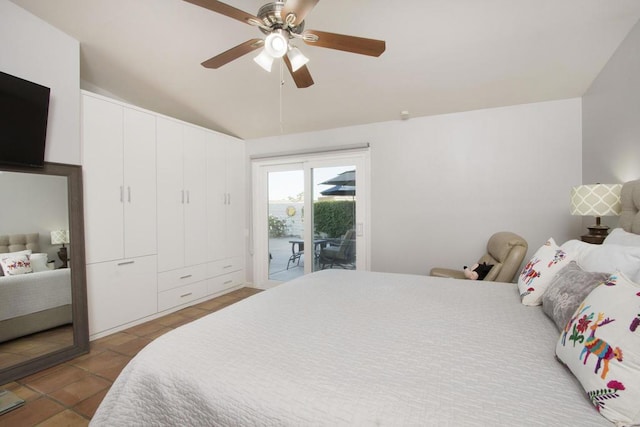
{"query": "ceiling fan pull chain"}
pixel 281 84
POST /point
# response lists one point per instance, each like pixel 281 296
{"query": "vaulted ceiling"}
pixel 441 56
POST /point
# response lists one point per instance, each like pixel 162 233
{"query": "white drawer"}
pixel 180 277
pixel 216 268
pixel 181 295
pixel 221 283
pixel 119 292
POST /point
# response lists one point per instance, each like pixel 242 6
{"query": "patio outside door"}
pixel 286 221
pixel 308 216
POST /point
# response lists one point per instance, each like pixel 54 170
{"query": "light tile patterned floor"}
pixel 69 394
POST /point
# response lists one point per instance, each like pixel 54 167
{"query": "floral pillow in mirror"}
pixel 15 264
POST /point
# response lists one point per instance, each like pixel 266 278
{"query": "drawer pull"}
pixel 228 266
pixel 126 262
pixel 186 277
pixel 186 295
pixel 227 282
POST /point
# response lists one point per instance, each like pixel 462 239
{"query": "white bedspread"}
pixel 356 348
pixel 30 293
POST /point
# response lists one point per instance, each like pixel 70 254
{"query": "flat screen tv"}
pixel 24 109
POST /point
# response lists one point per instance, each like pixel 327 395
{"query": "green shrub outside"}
pixel 277 226
pixel 334 218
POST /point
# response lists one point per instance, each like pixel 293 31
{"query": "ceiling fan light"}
pixel 276 44
pixel 297 59
pixel 264 60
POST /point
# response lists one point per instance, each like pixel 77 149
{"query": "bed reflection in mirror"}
pixel 36 284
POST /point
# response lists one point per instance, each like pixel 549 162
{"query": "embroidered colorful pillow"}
pixel 567 290
pixel 540 270
pixel 601 346
pixel 14 265
pixel 10 254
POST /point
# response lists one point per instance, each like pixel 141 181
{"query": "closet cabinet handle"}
pixel 129 193
pixel 186 277
pixel 186 295
pixel 126 263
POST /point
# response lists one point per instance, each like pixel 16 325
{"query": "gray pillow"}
pixel 567 290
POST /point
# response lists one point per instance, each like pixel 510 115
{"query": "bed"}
pixel 360 348
pixel 34 301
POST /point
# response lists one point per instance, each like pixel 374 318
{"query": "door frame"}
pixel 259 227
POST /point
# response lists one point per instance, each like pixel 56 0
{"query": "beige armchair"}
pixel 505 250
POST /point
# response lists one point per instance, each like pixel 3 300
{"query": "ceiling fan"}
pixel 283 21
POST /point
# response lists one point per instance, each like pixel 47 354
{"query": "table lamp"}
pixel 61 237
pixel 596 200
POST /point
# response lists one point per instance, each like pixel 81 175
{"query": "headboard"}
pixel 630 200
pixel 20 242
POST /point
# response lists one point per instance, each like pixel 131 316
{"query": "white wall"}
pixel 611 119
pixel 441 185
pixel 34 50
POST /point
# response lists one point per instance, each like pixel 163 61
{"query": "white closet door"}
pixel 235 212
pixel 139 183
pixel 216 197
pixel 170 194
pixel 195 207
pixel 102 125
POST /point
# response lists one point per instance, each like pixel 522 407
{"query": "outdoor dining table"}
pixel 297 249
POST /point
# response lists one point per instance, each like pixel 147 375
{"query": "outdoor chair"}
pixel 505 250
pixel 342 255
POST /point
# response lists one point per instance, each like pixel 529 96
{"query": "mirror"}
pixel 39 195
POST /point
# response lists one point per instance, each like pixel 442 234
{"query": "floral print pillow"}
pixel 537 274
pixel 601 346
pixel 16 264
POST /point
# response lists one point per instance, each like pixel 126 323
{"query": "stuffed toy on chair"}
pixel 478 271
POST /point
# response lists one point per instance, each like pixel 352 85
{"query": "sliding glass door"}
pixel 285 221
pixel 309 215
pixel 334 217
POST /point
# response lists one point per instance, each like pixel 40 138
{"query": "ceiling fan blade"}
pixel 351 44
pixel 298 10
pixel 302 77
pixel 233 53
pixel 227 10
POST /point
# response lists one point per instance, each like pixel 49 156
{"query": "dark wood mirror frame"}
pixel 73 173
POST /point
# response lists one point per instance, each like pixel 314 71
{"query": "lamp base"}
pixel 62 254
pixel 597 234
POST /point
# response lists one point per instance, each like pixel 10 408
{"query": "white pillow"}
pixel 610 258
pixel 8 254
pixel 576 248
pixel 601 347
pixel 39 262
pixel 620 237
pixel 12 265
pixel 540 270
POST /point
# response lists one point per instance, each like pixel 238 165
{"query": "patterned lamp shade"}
pixel 59 237
pixel 596 200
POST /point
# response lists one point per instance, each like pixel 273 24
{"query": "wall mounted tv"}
pixel 24 109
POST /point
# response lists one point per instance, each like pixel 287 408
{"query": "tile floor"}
pixel 26 348
pixel 69 394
